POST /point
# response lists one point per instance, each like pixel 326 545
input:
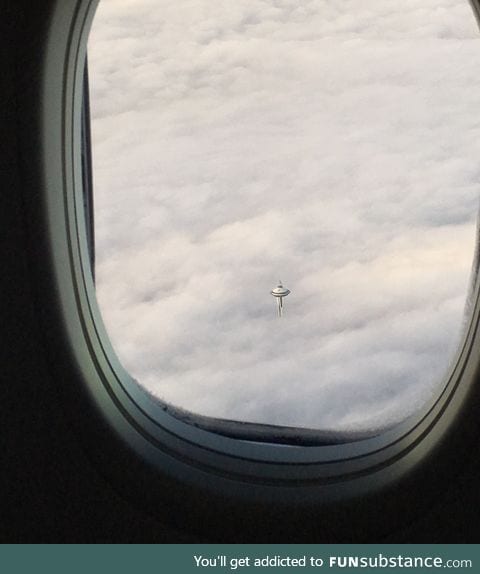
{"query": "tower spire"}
pixel 279 293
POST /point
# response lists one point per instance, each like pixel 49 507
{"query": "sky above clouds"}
pixel 331 144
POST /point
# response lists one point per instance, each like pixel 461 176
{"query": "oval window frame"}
pixel 170 455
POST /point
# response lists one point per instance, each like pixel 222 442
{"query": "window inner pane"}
pixel 330 146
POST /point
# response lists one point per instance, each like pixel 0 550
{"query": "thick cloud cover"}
pixel 332 144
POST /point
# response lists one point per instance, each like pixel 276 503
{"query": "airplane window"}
pixel 285 203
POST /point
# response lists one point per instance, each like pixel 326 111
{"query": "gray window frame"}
pixel 165 460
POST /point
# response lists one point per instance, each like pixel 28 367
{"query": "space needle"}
pixel 279 293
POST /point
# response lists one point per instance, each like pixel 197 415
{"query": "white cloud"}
pixel 332 145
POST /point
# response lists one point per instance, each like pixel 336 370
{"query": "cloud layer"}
pixel 330 145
